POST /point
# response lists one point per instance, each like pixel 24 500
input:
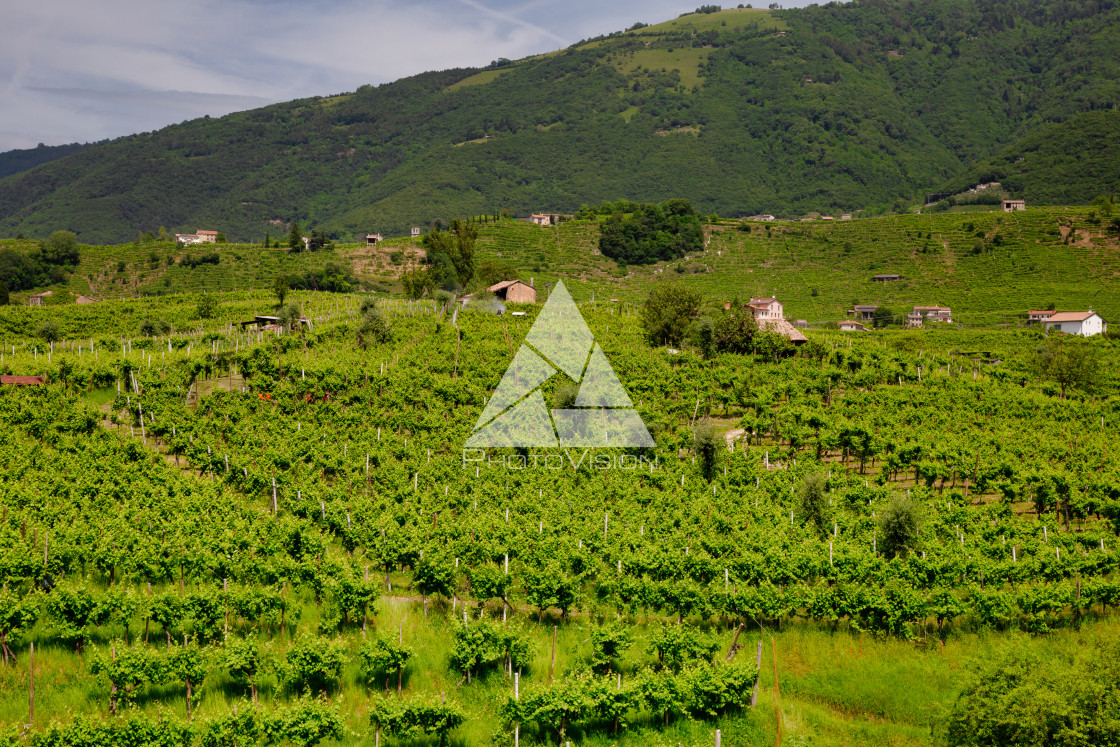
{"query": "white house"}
pixel 849 326
pixel 1084 323
pixel 766 308
pixel 415 231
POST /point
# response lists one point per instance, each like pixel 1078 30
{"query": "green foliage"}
pixel 49 330
pixel 551 587
pixel 417 717
pixel 127 669
pixel 482 644
pixel 245 662
pixel 677 646
pixel 668 311
pixel 290 315
pixel 812 502
pixel 735 329
pixel 708 445
pixel 702 335
pixel 373 327
pixel 565 395
pixel 1071 361
pixel 381 656
pixel 434 574
pixel 280 288
pixel 154 327
pixel 608 643
pixel 638 234
pixel 1020 698
pixel 899 525
pixel 207 306
pixel 451 254
pixel 491 271
pixel 4 298
pixel 881 317
pixel 295 240
pixel 313 664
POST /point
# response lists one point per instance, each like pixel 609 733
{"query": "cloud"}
pixel 74 70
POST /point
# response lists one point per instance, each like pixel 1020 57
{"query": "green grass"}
pixel 686 60
pixel 478 79
pixel 732 17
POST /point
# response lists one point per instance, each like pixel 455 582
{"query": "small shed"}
pixel 373 239
pixel 1010 206
pixel 37 299
pixel 415 231
pixel 849 326
pixel 886 278
pixel 514 291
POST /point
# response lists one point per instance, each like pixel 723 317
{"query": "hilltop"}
pixel 990 267
pixel 827 108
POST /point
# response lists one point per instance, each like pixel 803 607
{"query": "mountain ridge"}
pixel 828 108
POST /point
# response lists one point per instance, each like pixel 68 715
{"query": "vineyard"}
pixel 227 536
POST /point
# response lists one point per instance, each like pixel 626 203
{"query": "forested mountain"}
pixel 22 159
pixel 826 108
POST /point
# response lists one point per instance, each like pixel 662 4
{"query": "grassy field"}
pixel 989 267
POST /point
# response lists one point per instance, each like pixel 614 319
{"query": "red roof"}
pixel 23 380
pixel 504 284
pixel 1070 316
pixel 207 233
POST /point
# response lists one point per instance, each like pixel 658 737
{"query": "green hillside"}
pixel 990 267
pixel 828 108
pixel 1069 163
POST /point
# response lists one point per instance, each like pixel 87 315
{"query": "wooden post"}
pixel 400 642
pixel 516 696
pixel 31 687
pixel 758 665
pixel 552 665
pixel 777 707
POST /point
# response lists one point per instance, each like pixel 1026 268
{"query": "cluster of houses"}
pixel 1083 323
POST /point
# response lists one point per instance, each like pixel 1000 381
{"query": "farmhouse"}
pixel 769 315
pixel 863 311
pixel 37 299
pixel 372 239
pixel 886 278
pixel 198 237
pixel 1034 317
pixel 1084 323
pixel 922 314
pixel 849 326
pixel 1010 206
pixel 514 291
pixel 766 308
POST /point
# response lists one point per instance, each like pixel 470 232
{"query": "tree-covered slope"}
pixel 23 159
pixel 826 108
pixel 1068 163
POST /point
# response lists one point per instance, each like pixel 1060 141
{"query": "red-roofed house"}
pixel 766 308
pixel 1034 317
pixel 1084 323
pixel 207 237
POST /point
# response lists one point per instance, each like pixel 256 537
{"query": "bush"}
pixel 373 327
pixel 49 331
pixel 706 443
pixel 207 306
pixel 313 664
pixel 812 501
pixel 154 327
pixel 668 311
pixel 899 524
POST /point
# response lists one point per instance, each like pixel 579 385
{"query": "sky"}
pixel 81 71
